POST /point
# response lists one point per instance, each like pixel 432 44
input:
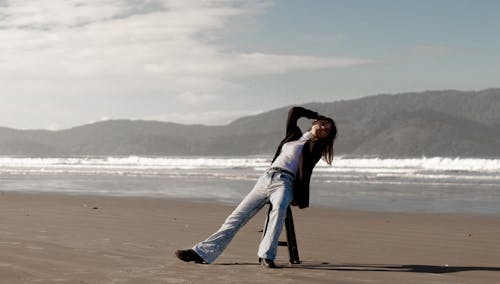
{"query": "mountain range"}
pixel 445 123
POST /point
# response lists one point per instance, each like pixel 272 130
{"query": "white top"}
pixel 289 156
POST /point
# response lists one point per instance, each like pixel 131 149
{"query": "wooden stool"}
pixel 291 241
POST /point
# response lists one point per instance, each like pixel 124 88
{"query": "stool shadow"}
pixel 413 268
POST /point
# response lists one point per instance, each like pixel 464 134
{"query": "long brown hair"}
pixel 329 141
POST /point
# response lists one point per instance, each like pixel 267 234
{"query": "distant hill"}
pixel 433 123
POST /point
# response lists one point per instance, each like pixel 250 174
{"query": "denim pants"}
pixel 272 186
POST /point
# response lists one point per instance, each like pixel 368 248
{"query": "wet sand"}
pixel 52 238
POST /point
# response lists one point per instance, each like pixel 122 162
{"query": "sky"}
pixel 65 63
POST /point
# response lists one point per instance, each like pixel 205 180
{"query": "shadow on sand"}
pixel 415 268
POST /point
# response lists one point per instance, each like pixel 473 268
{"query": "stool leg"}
pixel 267 220
pixel 293 250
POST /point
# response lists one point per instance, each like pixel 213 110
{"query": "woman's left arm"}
pixel 297 112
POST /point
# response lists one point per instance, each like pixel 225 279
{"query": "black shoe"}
pixel 189 255
pixel 267 263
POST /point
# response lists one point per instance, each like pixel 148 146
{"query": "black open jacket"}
pixel 311 153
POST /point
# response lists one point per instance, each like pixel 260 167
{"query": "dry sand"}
pixel 49 238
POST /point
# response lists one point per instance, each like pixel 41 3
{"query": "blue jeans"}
pixel 272 186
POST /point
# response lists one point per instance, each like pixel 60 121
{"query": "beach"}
pixel 62 238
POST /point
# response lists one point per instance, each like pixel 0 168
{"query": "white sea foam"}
pixel 132 162
pixel 242 167
pixel 431 164
pixel 435 163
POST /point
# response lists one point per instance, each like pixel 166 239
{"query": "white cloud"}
pixel 49 14
pixel 262 64
pixel 215 117
pixel 172 46
pixel 191 98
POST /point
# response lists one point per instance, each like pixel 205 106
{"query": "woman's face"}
pixel 321 129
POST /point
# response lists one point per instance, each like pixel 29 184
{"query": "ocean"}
pixel 426 185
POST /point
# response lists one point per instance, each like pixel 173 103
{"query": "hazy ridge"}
pixel 433 123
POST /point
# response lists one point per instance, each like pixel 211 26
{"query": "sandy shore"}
pixel 48 238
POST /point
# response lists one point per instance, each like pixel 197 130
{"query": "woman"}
pixel 286 182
